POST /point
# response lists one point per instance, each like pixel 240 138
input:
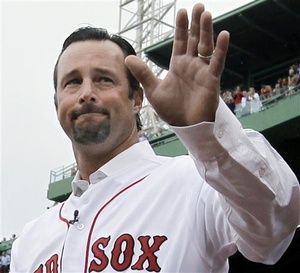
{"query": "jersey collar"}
pixel 133 163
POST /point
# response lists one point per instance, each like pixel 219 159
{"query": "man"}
pixel 1 264
pixel 5 261
pixel 133 211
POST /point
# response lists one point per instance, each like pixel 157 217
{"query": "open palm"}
pixel 189 93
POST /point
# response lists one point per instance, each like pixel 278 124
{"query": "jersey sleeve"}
pixel 12 264
pixel 258 191
pixel 14 261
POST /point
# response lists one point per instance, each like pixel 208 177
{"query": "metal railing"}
pixel 264 103
pixel 63 172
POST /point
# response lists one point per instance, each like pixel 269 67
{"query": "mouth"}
pixel 89 111
pixel 90 117
pixel 91 114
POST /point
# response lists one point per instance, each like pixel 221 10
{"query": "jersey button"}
pixel 220 132
pixel 262 170
pixel 80 226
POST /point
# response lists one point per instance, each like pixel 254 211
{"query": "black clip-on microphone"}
pixel 76 219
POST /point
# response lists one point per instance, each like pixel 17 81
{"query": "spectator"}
pixel 245 106
pixel 1 266
pixel 244 99
pixel 5 262
pixel 293 80
pixel 298 69
pixel 255 103
pixel 266 91
pixel 284 84
pixel 237 95
pixel 228 99
pixel 294 67
pixel 278 87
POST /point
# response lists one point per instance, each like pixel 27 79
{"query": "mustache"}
pixel 89 108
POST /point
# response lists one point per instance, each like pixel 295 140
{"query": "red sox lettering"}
pixel 127 242
pixel 121 256
pixel 51 266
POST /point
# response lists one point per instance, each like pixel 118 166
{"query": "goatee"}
pixel 91 133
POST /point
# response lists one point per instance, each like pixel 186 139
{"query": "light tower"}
pixel 144 23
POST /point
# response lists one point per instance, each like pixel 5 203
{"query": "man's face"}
pixel 92 94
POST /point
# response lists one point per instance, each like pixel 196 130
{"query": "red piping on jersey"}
pixel 62 218
pixel 97 215
pixel 68 224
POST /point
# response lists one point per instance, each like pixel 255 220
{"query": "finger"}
pixel 181 33
pixel 142 73
pixel 193 40
pixel 217 61
pixel 206 42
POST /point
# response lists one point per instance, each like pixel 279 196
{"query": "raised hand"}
pixel 189 94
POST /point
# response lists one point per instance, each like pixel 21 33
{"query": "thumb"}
pixel 142 73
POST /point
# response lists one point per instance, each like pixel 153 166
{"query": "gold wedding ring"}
pixel 206 58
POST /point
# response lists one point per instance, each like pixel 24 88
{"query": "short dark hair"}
pixel 100 34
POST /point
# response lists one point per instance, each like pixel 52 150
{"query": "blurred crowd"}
pixel 5 247
pixel 4 262
pixel 249 100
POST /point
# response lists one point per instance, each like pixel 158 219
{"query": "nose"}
pixel 87 93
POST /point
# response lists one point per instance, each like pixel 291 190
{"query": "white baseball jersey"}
pixel 146 213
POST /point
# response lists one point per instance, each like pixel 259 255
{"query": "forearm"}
pixel 259 192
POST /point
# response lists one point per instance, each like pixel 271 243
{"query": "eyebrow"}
pixel 68 75
pixel 104 71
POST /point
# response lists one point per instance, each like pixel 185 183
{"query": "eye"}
pixel 103 79
pixel 74 81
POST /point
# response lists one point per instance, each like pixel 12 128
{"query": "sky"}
pixel 32 142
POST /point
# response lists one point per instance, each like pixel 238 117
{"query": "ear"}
pixel 137 99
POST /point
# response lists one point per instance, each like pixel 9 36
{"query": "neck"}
pixel 90 158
